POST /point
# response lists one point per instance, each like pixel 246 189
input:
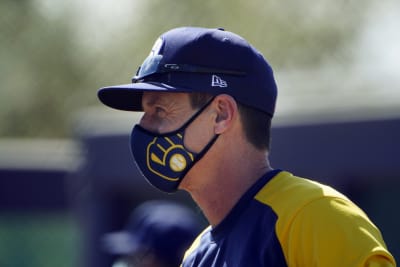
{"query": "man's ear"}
pixel 227 111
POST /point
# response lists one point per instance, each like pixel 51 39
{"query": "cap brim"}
pixel 129 96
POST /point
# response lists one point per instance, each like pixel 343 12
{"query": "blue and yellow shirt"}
pixel 284 220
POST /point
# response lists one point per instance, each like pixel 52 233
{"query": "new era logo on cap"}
pixel 217 81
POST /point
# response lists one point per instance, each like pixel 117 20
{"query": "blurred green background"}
pixel 331 59
pixel 56 54
pixel 38 240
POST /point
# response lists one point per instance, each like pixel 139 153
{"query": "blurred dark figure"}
pixel 156 235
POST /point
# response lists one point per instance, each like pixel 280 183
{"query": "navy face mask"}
pixel 163 159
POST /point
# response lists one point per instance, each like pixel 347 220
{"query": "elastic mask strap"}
pixel 190 120
pixel 200 156
pixel 207 147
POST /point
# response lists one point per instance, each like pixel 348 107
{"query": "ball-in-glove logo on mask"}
pixel 167 157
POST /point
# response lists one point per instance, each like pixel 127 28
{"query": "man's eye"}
pixel 160 111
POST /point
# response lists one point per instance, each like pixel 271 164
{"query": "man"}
pixel 208 97
pixel 157 235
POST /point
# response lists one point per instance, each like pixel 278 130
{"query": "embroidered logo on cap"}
pixel 155 50
pixel 217 81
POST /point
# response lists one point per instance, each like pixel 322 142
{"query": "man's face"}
pixel 165 112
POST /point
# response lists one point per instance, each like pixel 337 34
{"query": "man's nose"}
pixel 149 123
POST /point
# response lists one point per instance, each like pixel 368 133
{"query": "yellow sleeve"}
pixel 320 227
pixel 334 232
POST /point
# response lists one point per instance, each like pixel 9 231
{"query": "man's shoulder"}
pixel 286 192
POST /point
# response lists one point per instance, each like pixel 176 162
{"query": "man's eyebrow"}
pixel 153 100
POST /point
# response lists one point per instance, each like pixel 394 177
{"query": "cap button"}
pixel 221 29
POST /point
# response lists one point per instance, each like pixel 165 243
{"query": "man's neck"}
pixel 224 184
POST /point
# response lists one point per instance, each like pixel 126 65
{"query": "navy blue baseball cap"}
pixel 194 59
pixel 163 228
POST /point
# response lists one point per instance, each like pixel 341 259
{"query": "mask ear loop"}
pixel 200 155
pixel 190 120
